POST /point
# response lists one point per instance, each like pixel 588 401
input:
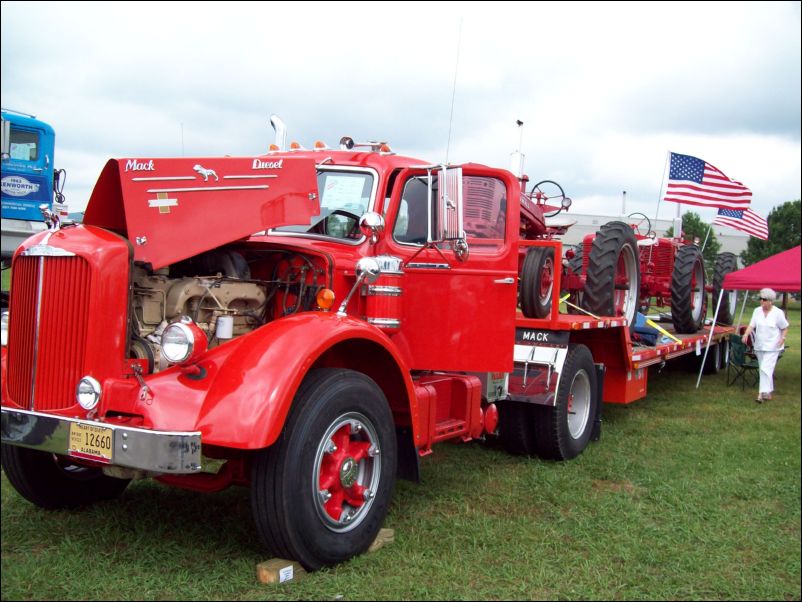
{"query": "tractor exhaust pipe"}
pixel 281 131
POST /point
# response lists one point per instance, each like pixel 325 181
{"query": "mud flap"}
pixel 595 435
pixel 408 461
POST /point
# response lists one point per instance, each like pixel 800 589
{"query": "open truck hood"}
pixel 172 209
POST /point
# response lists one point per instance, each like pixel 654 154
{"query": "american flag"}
pixel 744 220
pixel 692 181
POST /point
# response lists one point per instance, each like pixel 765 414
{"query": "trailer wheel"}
pixel 688 298
pixel 320 494
pixel 725 263
pixel 563 431
pixel 537 282
pixel 516 427
pixel 612 286
pixel 55 482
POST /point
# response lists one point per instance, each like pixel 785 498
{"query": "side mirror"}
pixel 367 270
pixel 372 226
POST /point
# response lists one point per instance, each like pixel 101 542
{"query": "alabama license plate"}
pixel 91 442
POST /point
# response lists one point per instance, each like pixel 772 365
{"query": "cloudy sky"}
pixel 605 90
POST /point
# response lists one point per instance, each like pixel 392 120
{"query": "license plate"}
pixel 91 442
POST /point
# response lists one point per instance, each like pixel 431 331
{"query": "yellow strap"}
pixel 662 330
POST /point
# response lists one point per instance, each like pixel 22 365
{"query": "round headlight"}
pixel 183 341
pixel 88 392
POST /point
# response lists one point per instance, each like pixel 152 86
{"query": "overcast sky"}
pixel 605 90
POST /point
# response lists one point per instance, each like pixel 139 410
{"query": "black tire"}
pixel 563 431
pixel 537 282
pixel 688 297
pixel 713 363
pixel 725 263
pixel 55 482
pixel 607 291
pixel 516 427
pixel 293 516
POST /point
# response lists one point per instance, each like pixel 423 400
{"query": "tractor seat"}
pixel 559 221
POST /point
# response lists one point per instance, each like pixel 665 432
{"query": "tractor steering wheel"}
pixel 548 192
pixel 639 223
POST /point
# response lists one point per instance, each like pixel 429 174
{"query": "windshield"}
pixel 344 197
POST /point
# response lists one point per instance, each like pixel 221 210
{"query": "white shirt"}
pixel 768 328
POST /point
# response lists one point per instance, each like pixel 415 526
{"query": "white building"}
pixel 730 239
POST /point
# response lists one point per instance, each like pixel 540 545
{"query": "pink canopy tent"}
pixel 780 272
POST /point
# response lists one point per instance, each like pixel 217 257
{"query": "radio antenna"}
pixel 454 90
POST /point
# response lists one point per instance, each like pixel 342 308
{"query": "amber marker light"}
pixel 295 145
pixel 325 298
pixel 274 147
pixel 320 145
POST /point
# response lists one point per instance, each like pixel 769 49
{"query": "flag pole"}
pixel 710 229
pixel 662 182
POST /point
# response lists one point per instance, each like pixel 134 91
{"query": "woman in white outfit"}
pixel 770 328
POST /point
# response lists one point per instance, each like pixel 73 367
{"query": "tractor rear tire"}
pixel 612 286
pixel 725 263
pixel 688 298
pixel 537 282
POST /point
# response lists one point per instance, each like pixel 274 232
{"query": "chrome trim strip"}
pixel 171 452
pixel 433 266
pixel 39 287
pixel 383 291
pixel 163 178
pixel 157 190
pixel 247 177
pixel 46 251
pixel 385 322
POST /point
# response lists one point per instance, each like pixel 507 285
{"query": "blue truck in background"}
pixel 28 147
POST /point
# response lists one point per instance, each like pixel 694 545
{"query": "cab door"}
pixel 459 312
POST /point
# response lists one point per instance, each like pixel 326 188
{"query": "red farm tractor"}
pixel 620 270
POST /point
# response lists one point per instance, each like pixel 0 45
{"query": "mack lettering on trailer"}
pixel 134 165
pixel 546 338
pixel 259 164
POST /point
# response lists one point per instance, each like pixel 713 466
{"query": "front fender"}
pixel 252 392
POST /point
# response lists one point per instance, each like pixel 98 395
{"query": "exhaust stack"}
pixel 281 131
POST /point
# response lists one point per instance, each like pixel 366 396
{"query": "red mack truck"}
pixel 375 312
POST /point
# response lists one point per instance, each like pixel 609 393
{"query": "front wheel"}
pixel 55 482
pixel 537 282
pixel 319 495
pixel 563 431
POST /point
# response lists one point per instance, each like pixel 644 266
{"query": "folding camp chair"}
pixel 740 365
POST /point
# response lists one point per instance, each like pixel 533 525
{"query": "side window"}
pixel 24 145
pixel 411 225
pixel 485 202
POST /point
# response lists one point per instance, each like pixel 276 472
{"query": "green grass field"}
pixel 690 494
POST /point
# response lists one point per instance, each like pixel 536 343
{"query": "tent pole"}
pixel 710 337
pixel 743 306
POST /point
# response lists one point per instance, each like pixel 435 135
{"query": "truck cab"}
pixel 28 146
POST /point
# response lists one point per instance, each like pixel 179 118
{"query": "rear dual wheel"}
pixel 561 431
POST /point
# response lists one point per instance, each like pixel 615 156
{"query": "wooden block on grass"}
pixel 278 570
pixel 385 536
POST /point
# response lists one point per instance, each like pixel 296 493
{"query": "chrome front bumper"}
pixel 154 451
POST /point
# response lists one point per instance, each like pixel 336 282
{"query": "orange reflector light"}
pixel 325 298
pixel 273 147
pixel 384 148
pixel 320 144
pixel 295 145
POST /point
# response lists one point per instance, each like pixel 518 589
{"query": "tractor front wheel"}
pixel 688 298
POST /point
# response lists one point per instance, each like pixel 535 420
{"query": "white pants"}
pixel 767 361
